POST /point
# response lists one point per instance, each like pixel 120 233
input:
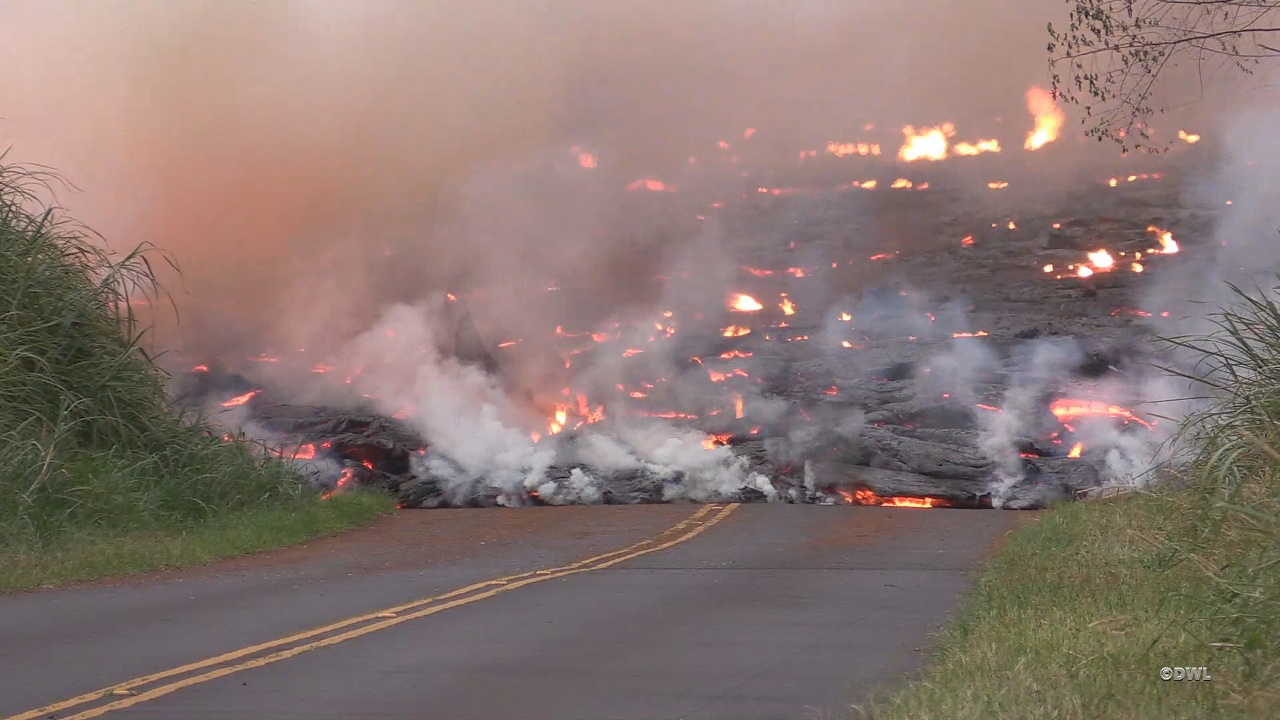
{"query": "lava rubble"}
pixel 1004 284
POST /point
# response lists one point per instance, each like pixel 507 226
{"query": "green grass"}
pixel 1078 611
pixel 93 555
pixel 97 470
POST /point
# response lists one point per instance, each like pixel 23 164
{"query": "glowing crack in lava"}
pixel 867 497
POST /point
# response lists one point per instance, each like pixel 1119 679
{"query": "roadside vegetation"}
pixel 98 475
pixel 1083 606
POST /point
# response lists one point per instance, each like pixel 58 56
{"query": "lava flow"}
pixel 867 497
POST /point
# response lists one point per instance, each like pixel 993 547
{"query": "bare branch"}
pixel 1110 55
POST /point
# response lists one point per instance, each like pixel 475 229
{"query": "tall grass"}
pixel 1233 505
pixel 88 441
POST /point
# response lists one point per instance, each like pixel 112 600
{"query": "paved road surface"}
pixel 675 611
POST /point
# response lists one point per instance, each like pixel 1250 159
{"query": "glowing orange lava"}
pixel 241 399
pixel 867 497
pixel 1068 409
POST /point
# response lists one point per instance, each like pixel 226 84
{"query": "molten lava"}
pixel 1066 409
pixel 866 497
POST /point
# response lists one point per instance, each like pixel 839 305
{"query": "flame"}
pixel 200 368
pixel 345 482
pixel 796 272
pixel 1168 245
pixel 926 143
pixel 1076 450
pixel 1048 268
pixel 1084 271
pixel 1049 118
pixel 1067 409
pixel 1187 137
pixel 845 317
pixel 509 343
pixel 966 241
pixel 711 442
pixel 866 497
pixel 997 185
pixel 241 399
pixel 758 272
pixel 737 406
pixel 901 183
pixel 982 146
pixel 744 303
pixel 980 333
pixel 735 354
pixel 847 149
pixel 868 185
pixel 1101 260
pixel 561 417
pixel 787 307
pixel 735 331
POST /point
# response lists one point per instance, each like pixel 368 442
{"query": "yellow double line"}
pixel 150 687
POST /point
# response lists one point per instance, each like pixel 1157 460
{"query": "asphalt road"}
pixel 675 611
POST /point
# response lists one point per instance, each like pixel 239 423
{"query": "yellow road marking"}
pixel 400 614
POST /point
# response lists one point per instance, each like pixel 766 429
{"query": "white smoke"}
pixel 480 439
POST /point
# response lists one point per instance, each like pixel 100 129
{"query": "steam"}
pixel 309 162
pixel 325 171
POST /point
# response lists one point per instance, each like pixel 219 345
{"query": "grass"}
pixel 1077 613
pixel 98 472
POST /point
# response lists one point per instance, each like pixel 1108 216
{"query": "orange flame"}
pixel 1076 450
pixel 744 303
pixel 847 149
pixel 241 399
pixel 711 442
pixel 926 143
pixel 982 146
pixel 1168 245
pixel 1187 137
pixel 1049 118
pixel 787 307
pixel 735 331
pixel 345 482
